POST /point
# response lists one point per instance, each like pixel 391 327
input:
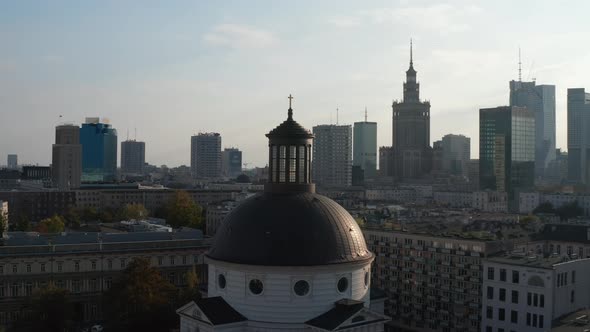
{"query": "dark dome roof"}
pixel 296 229
pixel 290 129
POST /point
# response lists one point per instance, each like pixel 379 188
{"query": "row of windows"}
pixel 501 316
pixel 503 275
pixel 43 267
pixel 502 295
pixel 562 278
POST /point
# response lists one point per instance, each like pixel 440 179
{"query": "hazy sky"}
pixel 175 68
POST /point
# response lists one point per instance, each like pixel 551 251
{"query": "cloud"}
pixel 344 21
pixel 239 36
pixel 442 18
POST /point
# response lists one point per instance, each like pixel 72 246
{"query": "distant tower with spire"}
pixel 410 155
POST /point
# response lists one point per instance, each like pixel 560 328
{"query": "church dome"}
pixel 289 229
pixel 289 224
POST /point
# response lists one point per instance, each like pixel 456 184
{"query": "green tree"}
pixel 72 218
pixel 134 211
pixel 140 300
pixel 3 223
pixel 23 224
pixel 88 214
pixel 545 207
pixel 51 309
pixel 191 292
pixel 54 224
pixel 570 210
pixel 183 211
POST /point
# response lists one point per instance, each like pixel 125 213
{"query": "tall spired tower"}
pixel 412 154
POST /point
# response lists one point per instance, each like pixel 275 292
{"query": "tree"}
pixel 3 223
pixel 140 300
pixel 23 224
pixel 51 309
pixel 243 178
pixel 545 207
pixel 191 292
pixel 183 211
pixel 134 211
pixel 569 210
pixel 72 218
pixel 54 224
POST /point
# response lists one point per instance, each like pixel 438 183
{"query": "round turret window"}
pixel 256 286
pixel 342 284
pixel 221 281
pixel 366 279
pixel 301 288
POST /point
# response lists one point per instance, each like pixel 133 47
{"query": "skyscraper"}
pixel 12 161
pixel 99 151
pixel 332 155
pixel 578 135
pixel 206 155
pixel 66 159
pixel 506 149
pixel 231 162
pixel 539 99
pixel 364 147
pixel 456 153
pixel 411 131
pixel 132 157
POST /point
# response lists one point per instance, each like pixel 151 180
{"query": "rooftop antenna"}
pixel 519 66
pixel 365 113
pixel 127 133
pixel 336 115
pixel 135 133
pixel 411 53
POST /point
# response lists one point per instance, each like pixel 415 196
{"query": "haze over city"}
pixel 172 70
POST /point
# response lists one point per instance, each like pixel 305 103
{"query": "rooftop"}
pixel 574 322
pixel 521 259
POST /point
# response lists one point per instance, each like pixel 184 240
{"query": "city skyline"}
pixel 172 72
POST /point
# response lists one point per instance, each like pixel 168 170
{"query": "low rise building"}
pixel 527 293
pixel 433 283
pixel 87 264
pixel 530 200
pixel 453 199
pixel 490 201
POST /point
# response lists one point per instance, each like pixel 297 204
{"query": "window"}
pixel 110 264
pixel 515 277
pixel 514 296
pixel 502 274
pixel 60 266
pixel 42 267
pixel 535 300
pixel 541 319
pixel 501 314
pixel 122 263
pixel 77 266
pixel 93 265
pixel 221 282
pixel 502 294
pixel 184 260
pixel 529 299
pixel 172 260
pixel 572 297
pixel 534 320
pixel 573 277
pixel 108 282
pixel 256 286
pixel 301 288
pixel 542 301
pixel 14 268
pixel 28 268
pixel 14 289
pixel 528 319
pixel 489 312
pixel 1 269
pixel 489 329
pixel 514 317
pixel 28 288
pixel 490 273
pixel 342 284
pixel 160 260
pixel 490 293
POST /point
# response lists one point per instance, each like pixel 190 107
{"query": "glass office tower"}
pixel 99 151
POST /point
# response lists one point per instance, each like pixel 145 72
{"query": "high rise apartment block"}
pixel 12 161
pixel 578 136
pixel 231 162
pixel 433 283
pixel 332 155
pixel 456 153
pixel 206 156
pixel 132 157
pixel 66 159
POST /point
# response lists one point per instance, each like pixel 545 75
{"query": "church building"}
pixel 287 259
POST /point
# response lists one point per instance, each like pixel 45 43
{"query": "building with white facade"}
pixel 525 293
pixel 530 200
pixel 453 199
pixel 490 201
pixel 332 155
pixel 287 259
